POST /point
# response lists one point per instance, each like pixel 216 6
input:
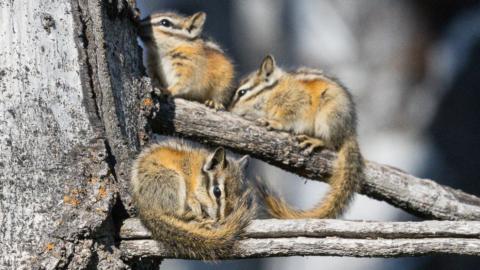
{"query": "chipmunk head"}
pixel 225 179
pixel 161 27
pixel 256 84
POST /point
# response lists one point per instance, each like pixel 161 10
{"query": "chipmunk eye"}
pixel 217 192
pixel 242 92
pixel 166 23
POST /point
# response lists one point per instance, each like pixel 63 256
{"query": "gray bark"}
pixel 273 238
pixel 68 126
pixel 132 229
pixel 422 197
pixel 332 246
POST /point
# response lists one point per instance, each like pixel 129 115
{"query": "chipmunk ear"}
pixel 268 66
pixel 195 24
pixel 215 161
pixel 243 162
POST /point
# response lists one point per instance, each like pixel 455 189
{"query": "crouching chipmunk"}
pixel 321 112
pixel 182 63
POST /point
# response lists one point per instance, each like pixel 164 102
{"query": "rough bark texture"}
pixel 422 197
pixel 68 127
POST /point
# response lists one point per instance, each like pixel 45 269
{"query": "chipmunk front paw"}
pixel 269 124
pixel 309 144
pixel 214 105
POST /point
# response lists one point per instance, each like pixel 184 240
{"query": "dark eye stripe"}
pixel 217 192
pixel 172 25
pixel 242 92
pixel 260 91
pixel 166 23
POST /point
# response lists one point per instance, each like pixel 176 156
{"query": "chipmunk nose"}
pixel 144 31
pixel 208 212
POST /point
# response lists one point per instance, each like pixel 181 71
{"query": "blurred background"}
pixel 413 68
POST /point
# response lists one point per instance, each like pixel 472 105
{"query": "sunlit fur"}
pixel 172 187
pixel 320 111
pixel 183 63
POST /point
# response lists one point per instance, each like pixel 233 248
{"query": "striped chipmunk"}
pixel 182 63
pixel 192 199
pixel 321 113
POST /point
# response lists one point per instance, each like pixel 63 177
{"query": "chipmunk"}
pixel 191 199
pixel 321 112
pixel 183 63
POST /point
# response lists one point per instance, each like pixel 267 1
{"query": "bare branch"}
pixel 273 228
pixel 332 246
pixel 421 197
pixel 271 238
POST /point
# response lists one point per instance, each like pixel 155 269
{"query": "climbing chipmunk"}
pixel 182 63
pixel 321 113
pixel 191 199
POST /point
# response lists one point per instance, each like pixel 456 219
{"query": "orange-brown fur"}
pixel 321 113
pixel 183 63
pixel 171 187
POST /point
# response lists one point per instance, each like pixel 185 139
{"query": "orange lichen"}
pixel 71 200
pixel 49 246
pixel 147 102
pixel 102 192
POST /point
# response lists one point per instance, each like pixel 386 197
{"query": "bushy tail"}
pixel 191 239
pixel 345 179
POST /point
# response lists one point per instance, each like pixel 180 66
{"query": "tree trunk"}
pixel 70 74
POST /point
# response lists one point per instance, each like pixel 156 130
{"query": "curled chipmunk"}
pixel 192 200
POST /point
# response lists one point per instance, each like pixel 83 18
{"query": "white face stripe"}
pixel 255 89
pixel 176 29
pixel 247 86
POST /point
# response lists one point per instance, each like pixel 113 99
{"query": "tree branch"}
pixel 277 228
pixel 272 238
pixel 422 197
